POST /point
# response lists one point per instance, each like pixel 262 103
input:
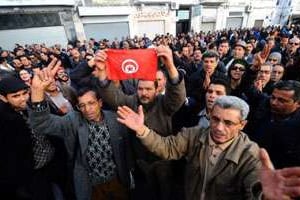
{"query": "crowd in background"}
pixel 259 65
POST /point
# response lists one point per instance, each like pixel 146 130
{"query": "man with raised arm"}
pixel 222 163
pixel 93 138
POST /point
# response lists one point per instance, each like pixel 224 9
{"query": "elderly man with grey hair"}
pixel 222 163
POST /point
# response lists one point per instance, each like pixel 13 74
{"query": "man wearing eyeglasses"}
pixel 262 82
pixel 222 163
pixel 292 60
pixel 274 58
pixel 96 142
pixel 289 53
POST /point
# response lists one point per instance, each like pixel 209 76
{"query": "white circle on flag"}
pixel 129 66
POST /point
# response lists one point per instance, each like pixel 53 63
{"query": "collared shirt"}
pixel 215 153
pixel 203 119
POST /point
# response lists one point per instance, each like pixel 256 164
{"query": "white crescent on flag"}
pixel 129 66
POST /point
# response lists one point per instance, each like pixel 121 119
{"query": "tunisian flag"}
pixel 128 64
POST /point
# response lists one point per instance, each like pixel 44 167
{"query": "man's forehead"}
pixel 18 92
pixel 209 59
pixel 87 96
pixel 217 87
pixel 224 44
pixel 238 47
pixel 278 67
pixel 266 67
pixel 226 113
pixel 283 93
pixel 145 83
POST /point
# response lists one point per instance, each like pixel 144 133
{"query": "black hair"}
pixel 289 85
pixel 210 54
pixel 223 82
pixel 83 91
pixel 223 41
pixel 239 61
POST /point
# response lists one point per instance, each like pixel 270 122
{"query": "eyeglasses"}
pixel 238 68
pixel 82 106
pixel 272 59
pixel 291 43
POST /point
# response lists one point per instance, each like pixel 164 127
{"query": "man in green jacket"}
pixel 158 110
pixel 222 163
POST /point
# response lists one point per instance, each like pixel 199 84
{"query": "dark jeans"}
pixel 158 181
pixel 111 190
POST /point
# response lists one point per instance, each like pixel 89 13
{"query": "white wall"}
pixel 48 35
pixel 104 18
pixel 35 2
pixel 265 12
pixel 296 7
pixel 153 14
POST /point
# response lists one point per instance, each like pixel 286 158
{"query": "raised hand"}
pixel 99 62
pixel 258 84
pixel 265 52
pixel 131 119
pixel 292 181
pixel 206 81
pixel 272 180
pixel 166 56
pixel 42 79
pixel 99 59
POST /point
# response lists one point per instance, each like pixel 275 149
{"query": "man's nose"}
pixel 220 125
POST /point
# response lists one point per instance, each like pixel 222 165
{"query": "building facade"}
pixel 295 12
pixel 36 21
pixel 128 18
pixel 58 21
pixel 225 14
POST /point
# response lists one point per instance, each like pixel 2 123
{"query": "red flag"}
pixel 127 64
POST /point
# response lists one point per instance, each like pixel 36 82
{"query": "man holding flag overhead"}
pixel 136 63
pixel 158 109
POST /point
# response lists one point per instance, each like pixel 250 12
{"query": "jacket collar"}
pixel 83 131
pixel 234 151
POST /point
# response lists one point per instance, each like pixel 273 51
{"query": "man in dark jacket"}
pixel 16 153
pixel 93 138
pixel 200 80
pixel 276 124
pixel 28 168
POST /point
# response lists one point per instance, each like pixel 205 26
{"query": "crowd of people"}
pixel 221 120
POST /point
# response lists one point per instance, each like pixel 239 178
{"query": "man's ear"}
pixel 243 124
pixel 100 102
pixel 3 98
pixel 298 104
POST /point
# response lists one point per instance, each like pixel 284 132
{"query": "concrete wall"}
pixel 151 14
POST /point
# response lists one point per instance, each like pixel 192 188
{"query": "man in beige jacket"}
pixel 222 163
